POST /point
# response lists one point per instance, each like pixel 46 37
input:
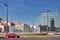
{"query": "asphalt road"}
pixel 32 38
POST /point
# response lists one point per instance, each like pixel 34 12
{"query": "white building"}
pixel 19 27
pixel 36 29
pixel 23 28
pixel 10 27
pixel 27 28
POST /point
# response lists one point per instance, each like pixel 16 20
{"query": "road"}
pixel 34 38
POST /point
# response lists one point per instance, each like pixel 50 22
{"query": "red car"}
pixel 12 35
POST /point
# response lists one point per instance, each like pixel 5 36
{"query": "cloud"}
pixel 43 18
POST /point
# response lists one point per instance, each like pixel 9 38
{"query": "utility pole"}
pixel 6 16
pixel 47 20
pixel 33 24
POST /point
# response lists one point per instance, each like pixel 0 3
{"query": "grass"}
pixel 33 35
pixel 2 34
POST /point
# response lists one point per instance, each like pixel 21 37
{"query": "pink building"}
pixel 1 26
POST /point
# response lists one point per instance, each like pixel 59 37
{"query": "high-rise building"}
pixel 52 24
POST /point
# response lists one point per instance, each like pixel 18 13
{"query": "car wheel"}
pixel 17 36
pixel 6 36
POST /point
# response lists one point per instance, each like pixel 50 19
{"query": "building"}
pixel 14 27
pixel 27 28
pixel 1 26
pixel 10 27
pixel 19 27
pixel 36 29
pixel 23 28
pixel 52 24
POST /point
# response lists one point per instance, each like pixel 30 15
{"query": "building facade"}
pixel 10 27
pixel 1 26
pixel 19 27
pixel 27 28
pixel 52 24
pixel 23 28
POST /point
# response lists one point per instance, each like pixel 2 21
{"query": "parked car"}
pixel 12 35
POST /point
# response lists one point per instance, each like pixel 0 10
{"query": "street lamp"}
pixel 47 20
pixel 6 16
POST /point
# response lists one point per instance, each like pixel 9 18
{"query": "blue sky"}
pixel 25 11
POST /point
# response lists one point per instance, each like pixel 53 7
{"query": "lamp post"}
pixel 47 20
pixel 6 16
pixel 33 24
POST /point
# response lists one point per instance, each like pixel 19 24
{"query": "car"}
pixel 12 35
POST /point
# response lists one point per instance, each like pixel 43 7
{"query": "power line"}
pixel 31 4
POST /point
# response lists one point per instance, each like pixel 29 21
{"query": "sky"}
pixel 27 11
